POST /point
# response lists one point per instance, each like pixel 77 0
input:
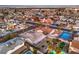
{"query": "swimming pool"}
pixel 66 35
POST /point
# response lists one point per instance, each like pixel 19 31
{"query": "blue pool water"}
pixel 28 52
pixel 65 35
